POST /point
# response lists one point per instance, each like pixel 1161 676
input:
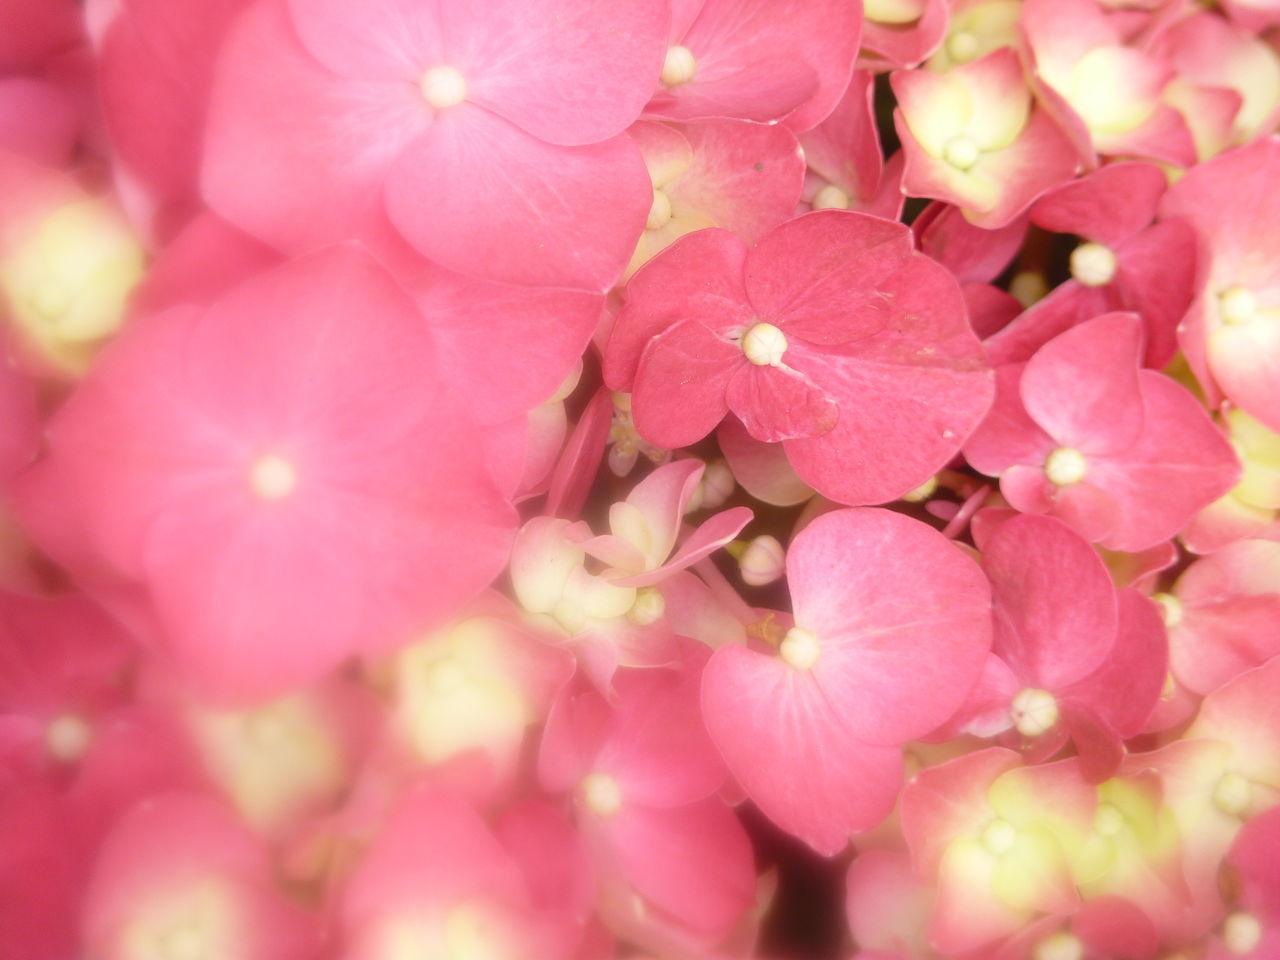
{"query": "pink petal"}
pixel 1108 206
pixel 1155 277
pixel 294 154
pixel 792 753
pixel 1008 435
pixel 710 536
pixel 902 616
pixel 747 177
pixel 508 347
pixel 37 120
pixel 681 385
pixel 799 275
pixel 765 62
pixel 480 196
pixel 699 277
pixel 1180 453
pixel 694 863
pixel 845 147
pixel 1082 387
pixel 780 403
pixel 908 396
pixel 905 45
pixel 1054 600
pixel 761 468
pixel 1125 688
pixel 576 469
pixel 1231 614
pixel 971 253
pixel 566 72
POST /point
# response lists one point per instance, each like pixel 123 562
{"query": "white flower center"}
pixel 1093 264
pixel 961 152
pixel 1170 609
pixel 1065 466
pixel 443 87
pixel 764 344
pixel 1237 305
pixel 601 794
pixel 67 737
pixel 1232 794
pixel 800 648
pixel 831 197
pixel 1108 821
pixel 962 46
pixel 273 477
pixel 678 67
pixel 1034 711
pixel 1241 933
pixel 999 836
pixel 1059 946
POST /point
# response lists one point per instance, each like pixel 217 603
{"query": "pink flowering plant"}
pixel 639 480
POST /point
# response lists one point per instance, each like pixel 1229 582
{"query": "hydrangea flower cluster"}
pixel 670 479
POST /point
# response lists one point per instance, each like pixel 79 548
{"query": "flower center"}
pixel 1232 794
pixel 1059 946
pixel 1108 821
pixel 1065 466
pixel 659 211
pixel 831 197
pixel 1237 305
pixel 1093 264
pixel 443 87
pixel 764 344
pixel 800 648
pixel 999 836
pixel 273 477
pixel 1241 933
pixel 678 67
pixel 601 794
pixel 1170 609
pixel 961 152
pixel 67 737
pixel 962 46
pixel 1034 711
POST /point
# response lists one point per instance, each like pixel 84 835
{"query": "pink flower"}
pixel 279 478
pixel 1071 658
pixel 1224 614
pixel 745 177
pixel 830 334
pixel 180 869
pixel 1231 334
pixel 777 60
pixel 644 777
pixel 1081 433
pixel 974 136
pixel 488 136
pixel 892 625
pixel 1125 262
pixel 437 881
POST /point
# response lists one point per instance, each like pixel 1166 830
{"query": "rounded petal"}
pixel 902 616
pixel 480 196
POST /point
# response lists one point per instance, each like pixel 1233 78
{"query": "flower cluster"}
pixel 575 480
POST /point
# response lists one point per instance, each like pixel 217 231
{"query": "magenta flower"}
pixel 892 623
pixel 485 135
pixel 831 335
pixel 1080 432
pixel 279 479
